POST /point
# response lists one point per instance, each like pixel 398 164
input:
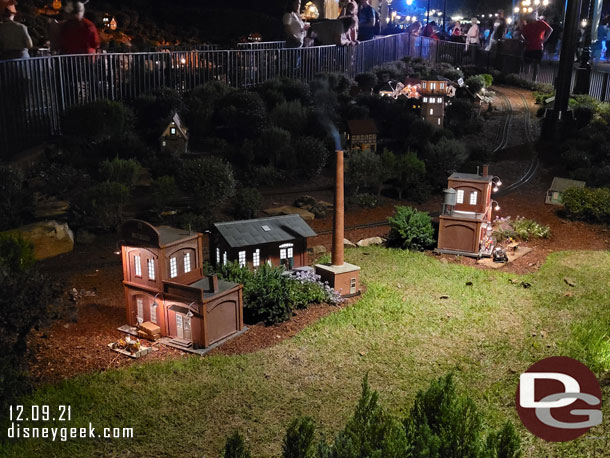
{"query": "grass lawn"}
pixel 400 332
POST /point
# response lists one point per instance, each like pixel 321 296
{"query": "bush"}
pixel 247 203
pixel 272 147
pixel 235 447
pixel 209 181
pixel 299 439
pixel 367 200
pixel 590 204
pixel 520 228
pixel 164 191
pixel 15 200
pixel 239 115
pixel 410 229
pixel 103 204
pixel 97 120
pixel 409 174
pixel 198 222
pixel 442 159
pixel 366 80
pixel 291 116
pixel 475 83
pixel 363 170
pixel 311 155
pixel 124 171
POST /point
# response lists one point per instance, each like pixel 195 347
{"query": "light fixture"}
pixel 183 61
pixel 496 182
pixel 509 20
pixel 583 23
pixel 497 206
pixel 516 10
pixel 154 302
pixel 189 314
pixel 117 247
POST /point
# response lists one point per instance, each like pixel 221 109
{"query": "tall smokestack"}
pixel 338 223
pixel 485 170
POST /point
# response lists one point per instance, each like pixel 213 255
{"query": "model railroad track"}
pixel 505 128
pixel 355 228
pixel 530 138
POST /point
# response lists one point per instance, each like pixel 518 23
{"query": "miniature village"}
pixel 229 247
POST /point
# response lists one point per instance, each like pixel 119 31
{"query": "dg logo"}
pixel 559 399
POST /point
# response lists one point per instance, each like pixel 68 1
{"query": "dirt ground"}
pixel 73 347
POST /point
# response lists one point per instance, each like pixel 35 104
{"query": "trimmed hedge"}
pixel 589 204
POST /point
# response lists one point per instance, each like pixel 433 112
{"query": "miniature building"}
pixel 465 222
pixel 342 276
pixel 558 186
pixel 362 134
pixel 433 95
pixel 109 22
pixel 277 240
pixel 164 284
pixel 175 137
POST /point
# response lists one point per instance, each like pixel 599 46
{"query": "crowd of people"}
pixel 357 21
pixel 74 35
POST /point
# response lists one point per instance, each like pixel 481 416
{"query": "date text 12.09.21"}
pixel 40 413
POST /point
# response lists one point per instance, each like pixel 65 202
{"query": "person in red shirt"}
pixel 535 33
pixel 78 35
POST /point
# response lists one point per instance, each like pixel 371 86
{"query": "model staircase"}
pixel 182 342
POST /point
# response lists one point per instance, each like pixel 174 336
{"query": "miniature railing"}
pixel 262 45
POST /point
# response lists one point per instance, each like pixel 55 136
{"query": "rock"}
pixel 370 241
pixel 305 200
pixel 318 210
pixel 49 238
pixel 318 250
pixel 84 237
pixel 288 210
pixel 50 208
pixel 328 205
pixel 348 243
pixel 569 281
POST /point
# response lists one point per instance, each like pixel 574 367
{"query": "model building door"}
pixel 287 255
pixel 183 327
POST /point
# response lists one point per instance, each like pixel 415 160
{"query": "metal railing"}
pixel 262 45
pixel 35 92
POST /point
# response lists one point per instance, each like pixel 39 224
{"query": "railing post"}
pixel 602 96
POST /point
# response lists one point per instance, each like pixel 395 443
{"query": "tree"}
pixel 209 181
pixel 239 115
pixel 363 170
pixel 299 439
pixel 409 172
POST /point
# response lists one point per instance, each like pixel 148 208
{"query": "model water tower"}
pixel 465 226
pixel 342 276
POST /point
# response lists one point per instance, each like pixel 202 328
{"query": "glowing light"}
pixel 516 10
pixel 408 18
pixel 509 20
pixel 497 207
pixel 183 61
pixel 545 2
pixel 409 2
pixel 536 2
pixel 583 23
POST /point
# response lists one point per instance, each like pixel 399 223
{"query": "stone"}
pixel 319 211
pixel 371 241
pixel 288 210
pixel 348 243
pixel 305 200
pixel 85 237
pixel 318 250
pixel 49 238
pixel 328 205
pixel 50 208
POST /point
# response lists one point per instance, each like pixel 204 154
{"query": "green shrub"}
pixel 198 222
pixel 164 191
pixel 363 170
pixel 526 229
pixel 442 159
pixel 367 200
pixel 475 83
pixel 411 229
pixel 15 200
pixel 124 171
pixel 103 204
pixel 209 181
pixel 590 204
pixel 97 120
pixel 489 79
pixel 235 447
pixel 299 439
pixel 240 114
pixel 311 155
pixel 246 203
pixel 291 116
pixel 367 80
pixel 409 175
pixel 16 254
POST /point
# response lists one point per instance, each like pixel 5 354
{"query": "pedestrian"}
pixel 430 31
pixel 498 32
pixel 294 27
pixel 414 28
pixel 367 20
pixel 78 34
pixel 351 10
pixel 535 33
pixel 333 31
pixel 344 5
pixel 472 36
pixel 15 40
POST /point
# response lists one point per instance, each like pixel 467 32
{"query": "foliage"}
pixel 124 171
pixel 97 120
pixel 367 200
pixel 367 80
pixel 410 229
pixel 103 203
pixel 442 159
pixel 459 114
pixel 590 343
pixel 239 115
pixel 201 103
pixel 265 175
pixel 272 147
pixel 271 295
pixel 591 204
pixel 15 199
pixel 475 83
pixel 311 155
pixel 16 253
pixel 363 170
pixel 246 203
pixel 235 447
pixel 199 222
pixel 291 116
pixel 520 228
pixel 208 180
pixel 164 191
pixel 410 172
pixel 299 439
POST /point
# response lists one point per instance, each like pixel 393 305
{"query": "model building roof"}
pixel 264 230
pixel 362 126
pixel 169 235
pixel 561 184
pixel 175 122
pixel 470 177
pixel 204 285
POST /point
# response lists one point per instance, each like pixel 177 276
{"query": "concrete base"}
pixel 344 279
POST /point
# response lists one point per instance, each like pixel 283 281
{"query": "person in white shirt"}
pixel 472 36
pixel 294 26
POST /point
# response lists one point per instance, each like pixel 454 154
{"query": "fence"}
pixel 36 91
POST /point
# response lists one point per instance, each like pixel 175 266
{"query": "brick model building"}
pixel 164 285
pixel 465 222
pixel 362 134
pixel 276 240
pixel 175 137
pixel 433 101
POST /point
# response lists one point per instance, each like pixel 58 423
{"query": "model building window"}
pixel 140 309
pixel 442 85
pixel 432 85
pixel 425 99
pixel 187 262
pixel 218 256
pixel 431 111
pixel 460 196
pixel 224 257
pixel 151 269
pixel 172 130
pixel 473 198
pixel 173 267
pixel 440 100
pixel 137 264
pixel 153 313
pixel 256 258
pixel 439 121
pixel 242 258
